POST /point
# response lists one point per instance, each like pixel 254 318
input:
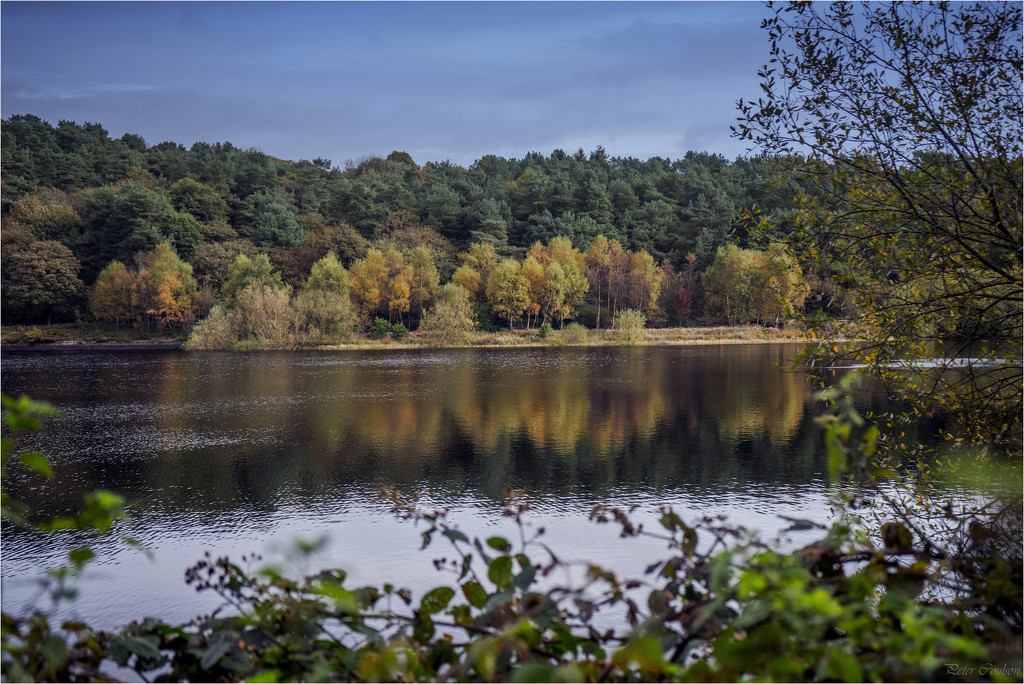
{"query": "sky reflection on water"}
pixel 236 453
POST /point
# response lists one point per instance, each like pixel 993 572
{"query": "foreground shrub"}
pixel 399 332
pixel 575 333
pixel 219 330
pixel 451 320
pixel 325 316
pixel 730 615
pixel 545 330
pixel 265 314
pixel 379 328
pixel 630 325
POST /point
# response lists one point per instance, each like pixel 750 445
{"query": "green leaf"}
pixel 645 653
pixel 671 521
pixel 500 571
pixel 844 667
pixel 81 556
pixel 345 601
pixel 475 594
pixel 214 653
pixel 108 500
pixel 37 462
pixel 798 523
pixel 58 523
pixel 461 614
pixel 55 651
pixel 467 565
pixel 237 661
pixel 142 646
pixel 534 672
pixel 657 601
pixel 499 544
pixel 375 637
pixel 496 599
pixel 423 628
pixel 436 600
pixel 525 577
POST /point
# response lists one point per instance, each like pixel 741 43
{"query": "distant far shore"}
pixel 71 337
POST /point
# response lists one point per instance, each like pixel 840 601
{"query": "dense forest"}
pixel 113 229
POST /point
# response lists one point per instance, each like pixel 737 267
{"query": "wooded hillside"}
pixel 75 200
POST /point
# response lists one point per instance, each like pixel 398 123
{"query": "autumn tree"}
pixel 480 258
pixel 324 316
pixel 469 279
pixel 324 308
pixel 368 277
pixel 244 271
pixel 403 231
pixel 396 285
pixel 679 290
pixel 729 285
pixel 620 260
pixel 424 280
pixel 163 290
pixel 641 282
pixel 575 284
pixel 111 295
pixel 535 276
pixel 211 262
pixel 450 320
pixel 508 291
pixel 39 280
pixel 674 301
pixel 748 285
pixel 598 264
pixel 265 314
pixel 46 219
pixel 780 290
pixel 328 274
pixel 553 292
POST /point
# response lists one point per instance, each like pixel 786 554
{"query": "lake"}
pixel 235 453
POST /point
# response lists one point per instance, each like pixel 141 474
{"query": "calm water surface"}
pixel 235 453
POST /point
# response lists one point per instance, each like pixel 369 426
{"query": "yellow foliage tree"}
pixel 367 277
pixel 534 274
pixel 508 291
pixel 469 279
pixel 111 296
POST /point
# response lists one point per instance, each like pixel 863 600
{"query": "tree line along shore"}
pixel 163 238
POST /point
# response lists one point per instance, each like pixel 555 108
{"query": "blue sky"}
pixel 342 80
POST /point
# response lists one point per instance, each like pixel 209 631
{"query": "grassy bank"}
pixel 93 333
pixel 71 333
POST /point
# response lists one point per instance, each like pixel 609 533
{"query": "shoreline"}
pixel 671 337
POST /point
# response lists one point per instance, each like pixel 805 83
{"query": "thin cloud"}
pixel 344 80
